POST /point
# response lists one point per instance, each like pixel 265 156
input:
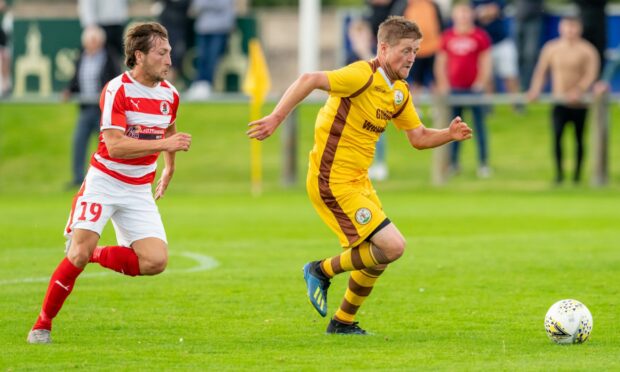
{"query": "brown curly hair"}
pixel 140 37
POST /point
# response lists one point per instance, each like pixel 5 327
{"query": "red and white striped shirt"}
pixel 143 113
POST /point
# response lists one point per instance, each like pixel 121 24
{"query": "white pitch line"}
pixel 204 263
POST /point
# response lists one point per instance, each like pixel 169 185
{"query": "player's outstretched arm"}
pixel 425 138
pixel 297 92
pixel 169 165
pixel 123 147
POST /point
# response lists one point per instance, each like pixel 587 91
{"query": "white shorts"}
pixel 504 56
pixel 132 209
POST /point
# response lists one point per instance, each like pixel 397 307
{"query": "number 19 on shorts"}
pixel 90 211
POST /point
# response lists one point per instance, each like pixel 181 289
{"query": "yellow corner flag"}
pixel 256 85
pixel 257 81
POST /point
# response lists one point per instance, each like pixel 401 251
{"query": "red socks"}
pixel 58 290
pixel 121 259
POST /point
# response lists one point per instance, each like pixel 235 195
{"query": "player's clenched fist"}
pixel 459 130
pixel 178 142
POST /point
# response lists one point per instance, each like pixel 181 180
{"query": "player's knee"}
pixel 78 259
pixel 152 255
pixel 154 266
pixel 79 254
pixel 396 249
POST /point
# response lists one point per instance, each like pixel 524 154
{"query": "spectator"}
pixel 445 7
pixel 380 10
pixel 111 16
pixel 463 66
pixel 574 65
pixel 426 14
pixel 174 17
pixel 594 24
pixel 490 16
pixel 528 30
pixel 95 66
pixel 215 20
pixel 361 39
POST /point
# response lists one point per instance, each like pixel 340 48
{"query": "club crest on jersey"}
pixel 363 216
pixel 398 97
pixel 164 107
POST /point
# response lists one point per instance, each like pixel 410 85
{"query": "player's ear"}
pixel 139 56
pixel 382 47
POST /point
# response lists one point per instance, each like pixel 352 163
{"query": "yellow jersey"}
pixel 362 100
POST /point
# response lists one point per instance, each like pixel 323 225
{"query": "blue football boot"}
pixel 317 285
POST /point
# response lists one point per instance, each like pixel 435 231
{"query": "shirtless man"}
pixel 574 66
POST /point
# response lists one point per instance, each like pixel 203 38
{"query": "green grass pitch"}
pixel 485 258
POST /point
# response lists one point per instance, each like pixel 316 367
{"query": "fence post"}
pixel 600 135
pixel 441 119
pixel 289 149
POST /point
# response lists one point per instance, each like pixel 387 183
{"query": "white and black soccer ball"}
pixel 568 322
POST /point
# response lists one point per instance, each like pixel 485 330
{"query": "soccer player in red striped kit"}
pixel 138 121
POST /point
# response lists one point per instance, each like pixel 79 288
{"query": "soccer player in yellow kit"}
pixel 363 97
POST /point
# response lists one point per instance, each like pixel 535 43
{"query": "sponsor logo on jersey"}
pixel 164 107
pixel 398 97
pixel 384 114
pixel 373 128
pixel 145 133
pixel 133 131
pixel 379 89
pixel 363 216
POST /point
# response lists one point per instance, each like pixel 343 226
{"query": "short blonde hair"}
pixel 395 28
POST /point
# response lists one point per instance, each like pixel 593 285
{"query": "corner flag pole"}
pixel 256 84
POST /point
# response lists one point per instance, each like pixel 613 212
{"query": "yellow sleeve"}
pixel 349 79
pixel 406 117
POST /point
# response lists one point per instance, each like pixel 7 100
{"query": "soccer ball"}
pixel 568 322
